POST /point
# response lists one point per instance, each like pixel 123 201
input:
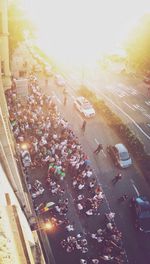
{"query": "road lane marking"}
pixel 147 115
pixel 142 131
pixel 96 141
pixel 148 125
pixel 56 97
pixel 129 106
pixel 147 103
pixel 140 108
pixel 135 188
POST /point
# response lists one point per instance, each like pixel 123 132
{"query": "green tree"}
pixel 138 46
pixel 18 25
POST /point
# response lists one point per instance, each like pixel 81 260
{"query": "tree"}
pixel 138 46
pixel 18 24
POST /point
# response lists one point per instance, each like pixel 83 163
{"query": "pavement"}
pixel 137 245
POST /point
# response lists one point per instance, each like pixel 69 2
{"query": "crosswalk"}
pixel 122 90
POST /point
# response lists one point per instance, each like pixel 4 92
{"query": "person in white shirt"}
pixel 83 261
pixel 70 228
pixel 95 261
pixel 81 186
pixel 89 212
pixel 89 173
pixel 80 206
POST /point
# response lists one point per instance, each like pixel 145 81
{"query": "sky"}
pixel 80 31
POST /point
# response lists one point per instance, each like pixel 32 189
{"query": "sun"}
pixel 80 31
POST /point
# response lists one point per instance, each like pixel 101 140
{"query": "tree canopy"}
pixel 18 24
pixel 138 46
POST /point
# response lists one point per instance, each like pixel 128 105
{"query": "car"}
pixel 141 208
pixel 26 158
pixel 120 155
pixel 84 106
pixel 59 80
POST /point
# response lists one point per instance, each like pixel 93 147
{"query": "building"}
pixel 4 44
pixel 18 243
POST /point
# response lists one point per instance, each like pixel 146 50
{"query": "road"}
pixel 137 245
pixel 126 98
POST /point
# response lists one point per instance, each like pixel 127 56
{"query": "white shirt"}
pixel 80 207
pixel 81 186
pixel 89 174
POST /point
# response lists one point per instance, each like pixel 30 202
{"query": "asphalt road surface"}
pixel 128 98
pixel 137 244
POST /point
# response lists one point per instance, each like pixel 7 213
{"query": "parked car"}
pixel 141 209
pixel 84 106
pixel 59 80
pixel 26 158
pixel 120 155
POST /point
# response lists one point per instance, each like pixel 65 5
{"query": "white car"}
pixel 84 106
pixel 120 155
pixel 59 80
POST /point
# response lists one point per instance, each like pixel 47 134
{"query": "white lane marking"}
pixel 135 188
pixel 56 97
pixel 140 108
pixel 103 153
pixel 96 141
pixel 129 106
pixel 148 125
pixel 147 115
pixel 142 131
pixel 147 103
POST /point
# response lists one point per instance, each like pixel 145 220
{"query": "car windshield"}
pixel 87 106
pixel 124 156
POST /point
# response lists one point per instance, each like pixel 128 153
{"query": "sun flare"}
pixel 80 31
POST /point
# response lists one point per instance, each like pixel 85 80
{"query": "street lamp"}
pixel 24 146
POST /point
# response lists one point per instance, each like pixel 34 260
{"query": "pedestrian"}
pixel 65 92
pixel 110 216
pixel 123 198
pixel 65 100
pixel 98 149
pixel 117 178
pixel 83 126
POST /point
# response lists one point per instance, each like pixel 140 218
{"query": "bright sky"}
pixel 79 31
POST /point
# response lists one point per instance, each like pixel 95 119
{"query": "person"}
pixel 110 216
pixel 117 178
pixel 83 261
pixel 83 126
pixel 65 100
pixel 98 149
pixel 95 261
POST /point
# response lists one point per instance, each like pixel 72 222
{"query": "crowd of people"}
pixel 51 142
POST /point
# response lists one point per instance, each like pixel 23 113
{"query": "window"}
pixel 1 23
pixel 2 68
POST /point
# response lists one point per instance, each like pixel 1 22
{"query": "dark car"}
pixel 141 209
pixel 120 155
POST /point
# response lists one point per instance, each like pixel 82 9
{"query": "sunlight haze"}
pixel 80 31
